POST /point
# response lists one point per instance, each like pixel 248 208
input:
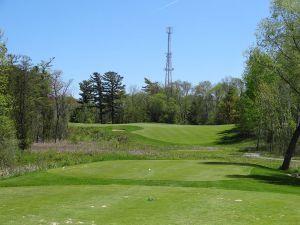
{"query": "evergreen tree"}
pixel 98 93
pixel 227 111
pixel 86 92
pixel 150 87
pixel 113 92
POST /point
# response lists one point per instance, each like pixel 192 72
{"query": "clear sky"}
pixel 129 36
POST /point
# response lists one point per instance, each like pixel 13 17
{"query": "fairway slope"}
pixel 203 135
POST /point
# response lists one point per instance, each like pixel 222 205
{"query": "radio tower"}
pixel 169 68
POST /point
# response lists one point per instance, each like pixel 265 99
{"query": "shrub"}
pixel 122 139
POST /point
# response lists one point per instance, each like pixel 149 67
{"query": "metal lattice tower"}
pixel 169 68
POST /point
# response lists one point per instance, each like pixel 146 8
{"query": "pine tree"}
pixel 86 92
pixel 113 92
pixel 98 93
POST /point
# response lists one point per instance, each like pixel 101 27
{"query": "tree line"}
pixel 103 100
pixel 33 103
pixel 270 105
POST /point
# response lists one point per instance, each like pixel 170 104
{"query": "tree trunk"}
pixel 22 112
pixel 258 137
pixel 291 149
pixel 258 143
pixel 57 120
pixel 112 114
pixel 112 107
pixel 101 114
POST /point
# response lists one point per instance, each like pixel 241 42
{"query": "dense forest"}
pixel 36 106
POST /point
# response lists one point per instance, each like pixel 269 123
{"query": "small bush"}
pixel 122 139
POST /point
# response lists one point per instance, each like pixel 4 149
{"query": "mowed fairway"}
pixel 184 134
pixel 149 192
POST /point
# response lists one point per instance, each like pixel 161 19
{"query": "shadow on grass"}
pixel 237 183
pixel 231 136
pixel 262 174
pixel 239 164
pixel 277 179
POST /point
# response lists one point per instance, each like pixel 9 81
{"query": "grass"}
pixel 172 192
pixel 93 142
pixel 165 135
pixel 189 135
pixel 149 174
pixel 116 204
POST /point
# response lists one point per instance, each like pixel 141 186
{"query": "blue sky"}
pixel 128 36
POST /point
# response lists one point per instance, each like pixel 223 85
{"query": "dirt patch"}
pixel 252 154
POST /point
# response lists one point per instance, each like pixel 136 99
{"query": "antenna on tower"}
pixel 169 68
